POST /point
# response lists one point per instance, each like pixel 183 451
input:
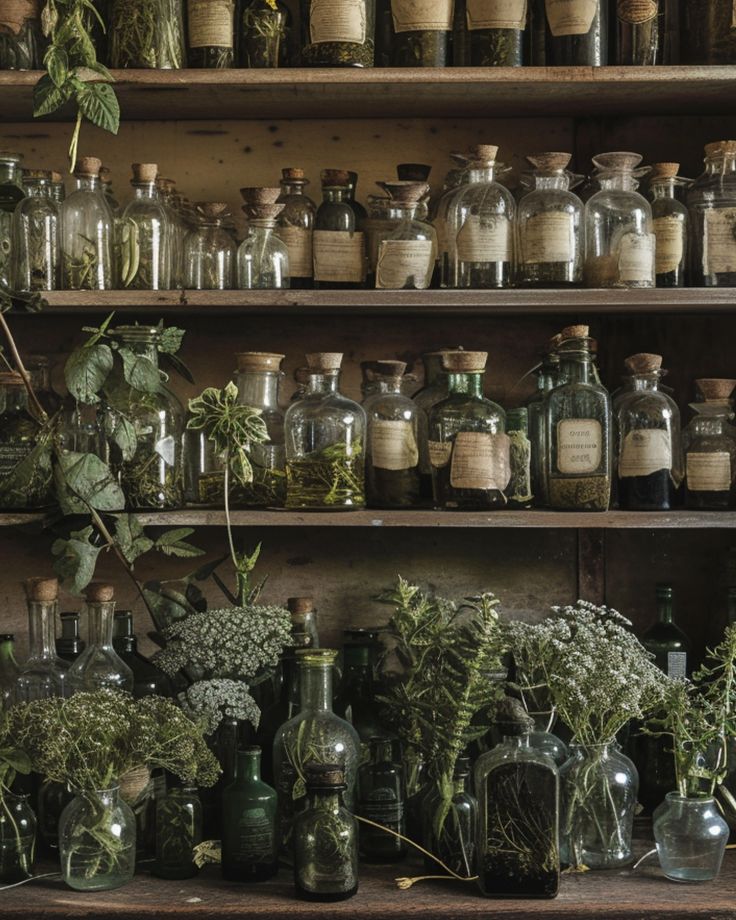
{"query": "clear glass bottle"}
pixel 43 674
pixel 11 193
pixel 434 390
pixel 671 225
pixel 619 231
pixel 578 420
pixel 577 33
pixel 451 835
pixel 711 201
pixel 20 447
pixel 148 680
pixel 420 34
pixel 496 33
pixel 209 251
pixel 338 34
pixel 546 379
pixel 178 832
pixel 480 226
pixel 295 226
pixel 392 455
pixel 17 838
pixel 99 667
pixel 711 32
pixel 468 447
pixel 338 243
pixel 550 226
pixel 518 790
pixel 648 452
pixel 325 443
pixel 147 35
pixel 691 837
pixel 145 235
pixel 665 640
pixel 70 644
pixel 453 180
pixel 9 671
pixel 520 458
pixel 325 839
pixel 87 233
pixel 641 30
pixel 211 34
pixel 21 38
pixel 35 241
pixel 204 470
pixel 182 221
pixel 382 799
pixel 263 260
pixel 710 449
pixel 406 252
pixel 249 838
pixel 264 25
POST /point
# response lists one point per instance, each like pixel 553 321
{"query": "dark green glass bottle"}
pixel 665 640
pixel 356 701
pixel 148 680
pixel 249 846
pixel 70 645
pixel 178 832
pixel 382 798
pixel 285 708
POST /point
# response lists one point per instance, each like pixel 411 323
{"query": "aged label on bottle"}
pixel 210 23
pixel 489 241
pixel 709 472
pixel 422 15
pixel 480 461
pixel 339 256
pixel 496 14
pixel 298 241
pixel 570 17
pixel 383 807
pixel 439 453
pixel 677 665
pixel 669 233
pixel 10 457
pixel 548 237
pixel 719 241
pixel 645 451
pixel 636 258
pixel 579 445
pixel 256 838
pixel 636 11
pixel 14 13
pixel 404 262
pixel 337 21
pixel 393 445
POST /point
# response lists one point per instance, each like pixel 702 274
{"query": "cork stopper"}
pixel 405 192
pixel 88 166
pixel 99 592
pixel 37 174
pixel 11 379
pixel 575 332
pixel 260 196
pixel 643 363
pixel 550 162
pixel 484 153
pixel 332 178
pixel 324 362
pixel 299 606
pixel 250 361
pixel 263 211
pixel 413 172
pixel 42 590
pixel 292 172
pixel 618 159
pixel 394 370
pixel 464 362
pixel 324 776
pixel 664 171
pixel 144 172
pixel 720 148
pixel 715 388
pixel 212 210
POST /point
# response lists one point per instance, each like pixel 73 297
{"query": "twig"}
pixel 108 537
pixel 21 370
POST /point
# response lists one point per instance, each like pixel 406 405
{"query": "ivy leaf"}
pixel 131 538
pixel 124 436
pixel 98 103
pixel 170 340
pixel 172 543
pixel 76 558
pixel 47 97
pixel 139 371
pixel 92 480
pixel 86 371
pixel 16 759
pixel 57 65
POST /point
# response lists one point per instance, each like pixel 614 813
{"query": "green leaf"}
pixel 76 559
pixel 99 104
pixel 57 65
pixel 130 537
pixel 47 97
pixel 166 606
pixel 16 759
pixel 172 543
pixel 93 72
pixel 173 536
pixel 124 436
pixel 92 480
pixel 86 371
pixel 175 362
pixel 139 371
pixel 170 340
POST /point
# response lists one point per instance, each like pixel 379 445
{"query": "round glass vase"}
pixel 599 787
pixel 691 837
pixel 97 838
pixel 17 838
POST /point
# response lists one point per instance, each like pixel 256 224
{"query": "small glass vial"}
pixel 249 839
pixel 406 253
pixel 295 226
pixel 19 430
pixel 263 260
pixel 87 233
pixel 325 839
pixel 338 241
pixel 145 235
pixel 35 243
pixel 711 201
pixel 209 250
pixel 421 33
pixel 338 33
pixel 671 225
pixel 578 421
pixel 710 448
pixel 211 34
pixel 43 674
pixel 577 33
pixel 263 34
pixel 9 671
pixel 99 667
pixel 11 193
pixel 481 226
pixel 496 32
pixel 468 447
pixel 178 832
pixel 546 374
pixel 520 457
pixel 181 221
pixel 325 443
pixel 550 227
pixel 648 453
pixel 382 799
pixel 451 833
pixel 70 644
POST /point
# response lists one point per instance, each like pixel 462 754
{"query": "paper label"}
pixel 548 237
pixel 10 456
pixel 719 241
pixel 339 256
pixel 677 665
pixel 570 17
pixel 337 21
pixel 14 13
pixel 255 835
pixel 496 14
pixel 480 461
pixel 645 451
pixel 422 15
pixel 166 449
pixel 709 472
pixel 298 240
pixel 669 234
pixel 579 445
pixel 439 453
pixel 210 23
pixel 489 241
pixel 402 262
pixel 636 12
pixel 636 257
pixel 393 445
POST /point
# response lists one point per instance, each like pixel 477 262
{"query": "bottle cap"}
pixel 643 363
pixel 144 172
pixel 391 369
pixel 715 388
pixel 574 332
pixel 254 361
pixel 316 656
pixel 335 178
pixel 550 162
pixel 483 153
pixel 212 210
pixel 465 362
pixel 664 171
pixel 324 776
pixel 88 166
pixel 43 590
pixel 324 362
pixel 413 172
pixel 99 592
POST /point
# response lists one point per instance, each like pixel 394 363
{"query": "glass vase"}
pixel 17 838
pixel 691 838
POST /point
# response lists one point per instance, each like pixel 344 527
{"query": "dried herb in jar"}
pixel 263 28
pixel 338 33
pixel 210 32
pixel 20 35
pixel 421 33
pixel 147 34
pixel 496 32
pixel 331 476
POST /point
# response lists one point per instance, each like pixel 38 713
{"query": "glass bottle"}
pixel 577 33
pixel 338 34
pixel 325 839
pixel 148 680
pixel 468 447
pixel 710 449
pixel 152 478
pixel 35 240
pixel 9 671
pixel 263 260
pixel 209 251
pixel 665 640
pixel 496 32
pixel 550 227
pixel 99 667
pixel 578 420
pixel 17 837
pixel 178 832
pixel 356 699
pixel 546 379
pixel 382 799
pixel 263 34
pixel 619 230
pixel 421 33
pixel 338 245
pixel 145 34
pixel 204 470
pixel 451 835
pixel 211 34
pixel 21 37
pixel 434 390
pixel 360 212
pixel 106 185
pixel 182 221
pixel 711 32
pixel 518 790
pixel 11 193
pixel 43 674
pixel 376 224
pixel 520 459
pixel 711 201
pixel 58 191
pixel 249 839
pixel 406 252
pixel 480 220
pixel 671 225
pixel 392 455
pixel 648 453
pixel 640 32
pixel 145 235
pixel 21 452
pixel 295 226
pixel 70 644
pixel 304 628
pixel 325 443
pixel 691 838
pixel 453 180
pixel 87 233
pixel 39 372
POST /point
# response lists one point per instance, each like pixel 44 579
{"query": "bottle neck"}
pixel 325 800
pixel 41 629
pixel 402 211
pixel 8 173
pixel 645 381
pixel 87 183
pixel 248 766
pixel 292 187
pixel 545 181
pixel 664 189
pixel 478 174
pixel 316 687
pixel 101 616
pixel 664 608
pixel 721 164
pixel 623 182
pixel 145 349
pixel 259 389
pixel 145 190
pixel 382 752
pixel 261 225
pixel 459 785
pixel 576 367
pixel 38 189
pixel 336 194
pixel 388 385
pixel 322 384
pixel 471 384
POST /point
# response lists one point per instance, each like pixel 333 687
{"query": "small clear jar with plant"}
pixel 87 233
pixel 449 826
pixel 263 260
pixel 147 34
pixel 35 244
pixel 263 33
pixel 145 235
pixel 25 449
pixel 209 250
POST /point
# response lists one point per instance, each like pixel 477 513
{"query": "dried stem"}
pixel 22 370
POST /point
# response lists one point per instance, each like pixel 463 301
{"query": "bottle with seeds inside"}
pixel 263 34
pixel 11 193
pixel 21 37
pixel 520 458
pixel 710 27
pixel 147 34
pixel 577 33
pixel 263 260
pixel 640 32
pixel 496 32
pixel 671 225
pixel 406 253
pixel 87 233
pixel 325 443
pixel 210 33
pixel 338 240
pixel 295 226
pixel 209 250
pixel 35 242
pixel 710 448
pixel 25 455
pixel 421 33
pixel 145 235
pixel 712 204
pixel 338 33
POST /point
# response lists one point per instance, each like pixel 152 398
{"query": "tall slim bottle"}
pixel 100 667
pixel 43 674
pixel 665 640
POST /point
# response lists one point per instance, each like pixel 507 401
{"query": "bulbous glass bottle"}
pixel 295 226
pixel 99 667
pixel 11 193
pixel 25 461
pixel 209 251
pixel 406 252
pixel 43 674
pixel 338 240
pixel 145 235
pixel 263 260
pixel 710 449
pixel 691 837
pixel 87 233
pixel 35 243
pixel 711 201
pixel 671 225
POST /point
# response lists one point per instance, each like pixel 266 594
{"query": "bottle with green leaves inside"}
pixel 249 839
pixel 145 235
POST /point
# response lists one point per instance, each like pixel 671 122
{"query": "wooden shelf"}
pixel 484 92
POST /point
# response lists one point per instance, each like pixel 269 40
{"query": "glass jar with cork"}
pixel 711 201
pixel 338 33
pixel 710 448
pixel 295 226
pixel 263 259
pixel 577 33
pixel 671 225
pixel 145 235
pixel 406 252
pixel 209 250
pixel 338 240
pixel 87 233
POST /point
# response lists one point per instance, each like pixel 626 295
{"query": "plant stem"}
pixel 21 370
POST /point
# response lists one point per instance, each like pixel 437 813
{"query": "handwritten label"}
pixel 636 258
pixel 637 12
pixel 719 241
pixel 488 240
pixel 422 15
pixel 393 444
pixel 210 23
pixel 496 14
pixel 570 17
pixel 579 446
pixel 480 461
pixel 548 237
pixel 404 263
pixel 337 21
pixel 645 451
pixel 670 235
pixel 339 256
pixel 709 472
